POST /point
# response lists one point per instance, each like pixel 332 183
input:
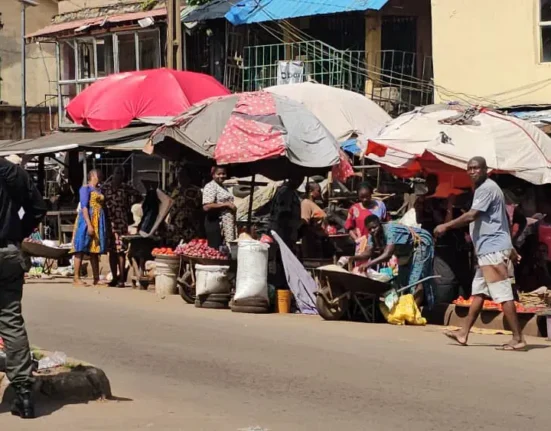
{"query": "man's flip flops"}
pixel 510 348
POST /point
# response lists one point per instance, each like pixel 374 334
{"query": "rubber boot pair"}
pixel 23 405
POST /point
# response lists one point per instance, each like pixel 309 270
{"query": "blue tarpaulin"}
pixel 212 10
pixel 253 11
pixel 351 146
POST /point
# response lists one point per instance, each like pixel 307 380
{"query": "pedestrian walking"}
pixel 17 192
pixel 491 236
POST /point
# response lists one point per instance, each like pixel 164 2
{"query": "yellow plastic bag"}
pixel 405 311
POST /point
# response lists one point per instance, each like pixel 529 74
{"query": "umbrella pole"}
pixel 250 212
pixel 163 174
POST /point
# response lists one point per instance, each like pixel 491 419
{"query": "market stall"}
pixel 253 133
pixel 198 252
pixel 437 142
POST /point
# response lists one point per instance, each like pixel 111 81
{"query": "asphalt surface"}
pixel 174 367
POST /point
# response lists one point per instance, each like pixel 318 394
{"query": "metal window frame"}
pixel 79 82
pixel 541 25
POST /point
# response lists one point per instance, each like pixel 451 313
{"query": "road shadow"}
pixel 46 406
pixel 495 346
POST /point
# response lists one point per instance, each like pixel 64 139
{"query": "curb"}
pixel 77 382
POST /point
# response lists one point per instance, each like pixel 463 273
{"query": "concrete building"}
pixel 97 38
pixel 492 52
pixel 41 70
pixel 67 6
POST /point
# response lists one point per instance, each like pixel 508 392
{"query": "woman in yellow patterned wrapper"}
pixel 90 234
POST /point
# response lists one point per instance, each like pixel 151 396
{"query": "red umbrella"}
pixel 113 102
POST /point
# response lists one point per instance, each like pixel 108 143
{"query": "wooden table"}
pixel 59 215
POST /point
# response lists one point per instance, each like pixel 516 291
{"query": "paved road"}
pixel 178 368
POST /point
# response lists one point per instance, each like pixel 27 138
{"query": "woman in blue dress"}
pixel 90 234
pixel 414 249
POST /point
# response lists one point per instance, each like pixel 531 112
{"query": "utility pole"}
pixel 178 25
pixel 170 34
pixel 174 35
pixel 24 4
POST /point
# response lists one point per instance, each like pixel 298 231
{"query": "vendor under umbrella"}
pixel 314 238
pixel 218 204
pixel 285 214
pixel 358 213
pixel 186 215
pixel 413 247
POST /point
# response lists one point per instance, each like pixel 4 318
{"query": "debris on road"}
pixel 57 359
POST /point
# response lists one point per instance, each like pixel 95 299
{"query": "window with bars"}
pixel 84 60
pixel 545 30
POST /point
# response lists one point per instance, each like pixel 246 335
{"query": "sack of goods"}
pixel 252 272
pixel 211 279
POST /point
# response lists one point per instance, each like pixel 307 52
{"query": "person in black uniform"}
pixel 17 192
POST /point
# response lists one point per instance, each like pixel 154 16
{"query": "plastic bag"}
pixel 57 359
pixel 410 219
pixel 379 276
pixel 405 311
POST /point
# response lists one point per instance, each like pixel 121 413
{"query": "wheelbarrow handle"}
pixel 409 286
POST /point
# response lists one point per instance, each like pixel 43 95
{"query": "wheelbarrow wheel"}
pixel 331 311
pixel 186 287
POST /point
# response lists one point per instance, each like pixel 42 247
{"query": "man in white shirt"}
pixel 491 236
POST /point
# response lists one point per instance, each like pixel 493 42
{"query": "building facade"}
pixel 41 70
pixel 492 52
pixel 95 38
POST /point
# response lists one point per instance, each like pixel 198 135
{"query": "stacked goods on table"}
pixel 539 298
pixel 199 248
pixel 493 306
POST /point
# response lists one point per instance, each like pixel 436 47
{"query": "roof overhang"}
pixel 80 27
pixel 65 141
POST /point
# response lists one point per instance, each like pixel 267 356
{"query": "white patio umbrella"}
pixel 343 112
pixel 453 135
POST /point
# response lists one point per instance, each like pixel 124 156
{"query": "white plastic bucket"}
pixel 166 274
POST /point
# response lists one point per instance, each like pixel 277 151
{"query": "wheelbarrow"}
pixel 342 293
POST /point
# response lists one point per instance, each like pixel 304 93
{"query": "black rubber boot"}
pixel 23 405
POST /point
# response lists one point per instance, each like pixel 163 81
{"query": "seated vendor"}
pixel 313 219
pixel 414 249
pixel 358 213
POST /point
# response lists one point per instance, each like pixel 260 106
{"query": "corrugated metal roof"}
pixel 215 9
pixel 62 141
pixel 253 11
pixel 92 22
